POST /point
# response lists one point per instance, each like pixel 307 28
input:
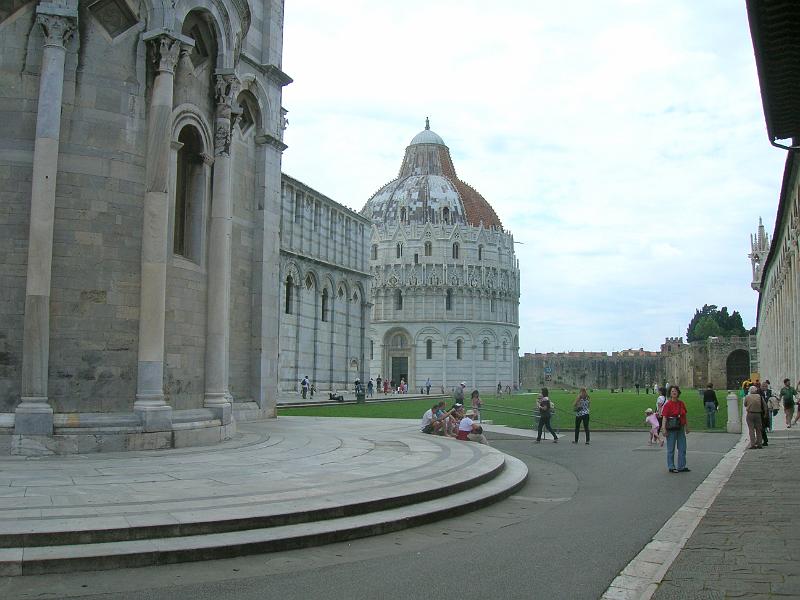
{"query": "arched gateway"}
pixel 737 368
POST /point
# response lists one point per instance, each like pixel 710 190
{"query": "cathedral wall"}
pixel 94 292
pixel 18 87
pixel 245 170
pixel 324 334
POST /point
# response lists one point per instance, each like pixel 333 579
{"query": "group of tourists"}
pixel 546 408
pixel 386 386
pixel 761 406
pixel 455 423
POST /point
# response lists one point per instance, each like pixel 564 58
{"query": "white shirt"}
pixel 660 404
pixel 427 419
pixel 465 424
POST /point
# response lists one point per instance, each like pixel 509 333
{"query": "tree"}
pixel 711 321
pixel 707 327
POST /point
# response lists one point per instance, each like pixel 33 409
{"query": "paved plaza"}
pixel 611 508
pixel 748 543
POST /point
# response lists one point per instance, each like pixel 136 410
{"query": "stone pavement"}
pixel 748 543
pixel 738 535
pixel 293 482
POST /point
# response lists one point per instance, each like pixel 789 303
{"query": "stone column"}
pixel 34 415
pixel 217 393
pixel 164 48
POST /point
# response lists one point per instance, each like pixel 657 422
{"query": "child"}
pixel 651 419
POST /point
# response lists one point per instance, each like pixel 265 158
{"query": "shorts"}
pixel 428 428
pixel 462 435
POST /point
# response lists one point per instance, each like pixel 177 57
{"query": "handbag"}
pixel 673 423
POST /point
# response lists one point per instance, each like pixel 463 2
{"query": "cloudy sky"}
pixel 621 141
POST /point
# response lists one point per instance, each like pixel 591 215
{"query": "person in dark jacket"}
pixel 711 405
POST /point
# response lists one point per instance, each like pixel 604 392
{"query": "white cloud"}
pixel 622 142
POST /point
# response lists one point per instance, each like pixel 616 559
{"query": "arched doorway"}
pixel 398 360
pixel 737 368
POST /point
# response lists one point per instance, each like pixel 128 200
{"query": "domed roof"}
pixel 426 136
pixel 428 190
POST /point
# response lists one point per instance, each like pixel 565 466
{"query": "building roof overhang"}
pixel 774 27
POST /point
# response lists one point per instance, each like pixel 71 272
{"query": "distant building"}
pixel 721 361
pixel 446 279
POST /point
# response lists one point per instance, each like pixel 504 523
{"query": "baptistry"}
pixel 445 288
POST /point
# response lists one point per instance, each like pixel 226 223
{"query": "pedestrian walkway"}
pixel 748 543
pixel 287 483
pixel 741 540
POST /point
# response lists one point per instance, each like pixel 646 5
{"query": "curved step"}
pixel 164 550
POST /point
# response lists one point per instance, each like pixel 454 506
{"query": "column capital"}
pixel 58 24
pixel 165 48
pixel 227 86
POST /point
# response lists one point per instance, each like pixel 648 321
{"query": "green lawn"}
pixel 608 411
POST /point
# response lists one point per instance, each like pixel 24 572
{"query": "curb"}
pixel 639 580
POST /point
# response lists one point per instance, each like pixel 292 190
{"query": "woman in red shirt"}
pixel 673 422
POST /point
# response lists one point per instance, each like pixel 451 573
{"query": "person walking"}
pixel 370 387
pixel 476 404
pixel 378 382
pixel 304 386
pixel 674 423
pixel 711 405
pixel 787 399
pixel 428 386
pixel 581 407
pixel 755 408
pixel 545 412
pixel 458 394
pixel 766 418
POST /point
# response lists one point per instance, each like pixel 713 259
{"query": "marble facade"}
pixel 140 176
pixel 325 291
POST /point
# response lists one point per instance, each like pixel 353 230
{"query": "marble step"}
pixel 192 517
pixel 32 560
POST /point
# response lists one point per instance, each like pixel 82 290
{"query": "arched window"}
pixel 325 304
pixel 374 252
pixel 455 250
pixel 448 300
pixel 289 295
pixel 492 306
pixel 485 349
pixel 505 351
pixel 459 349
pixel 480 252
pixel 398 300
pixel 446 215
pixel 298 207
pixel 403 215
pixel 190 186
pixel 428 249
pixel 429 349
pixel 399 250
pixel 371 350
pixel 416 258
